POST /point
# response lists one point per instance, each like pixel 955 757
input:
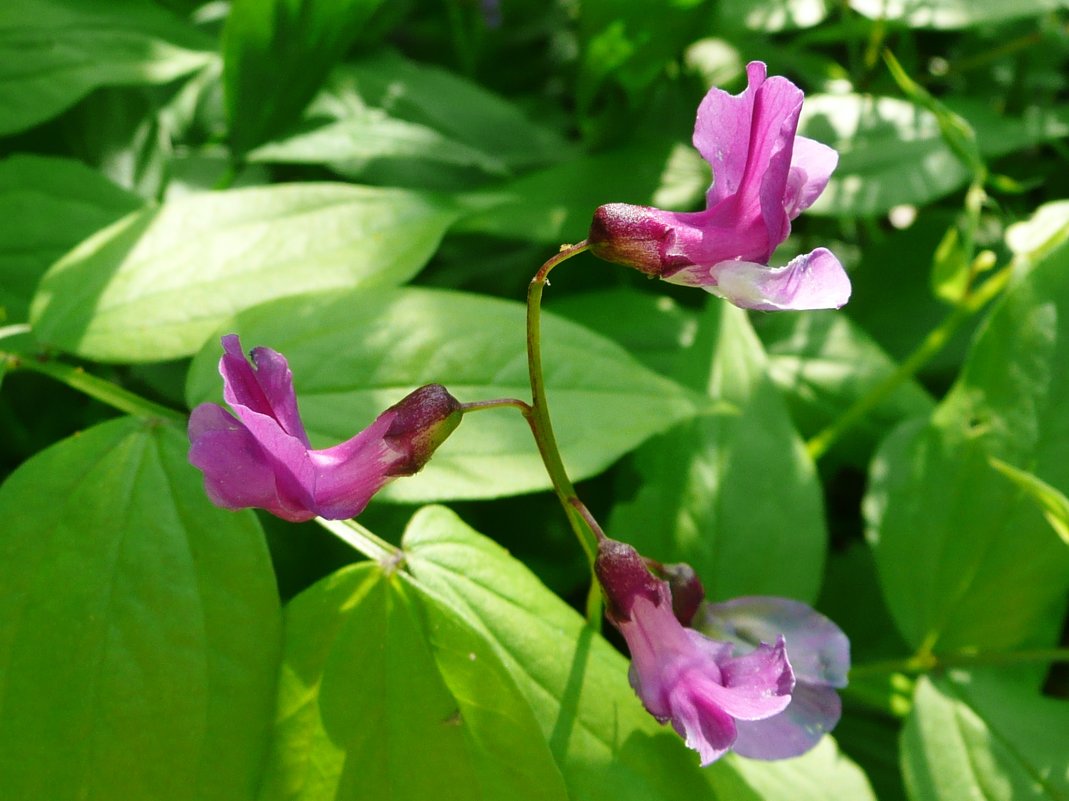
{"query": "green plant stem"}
pixel 497 403
pixel 936 340
pixel 102 390
pixel 361 539
pixel 542 427
pixel 926 663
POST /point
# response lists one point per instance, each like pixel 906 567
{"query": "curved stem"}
pixel 538 418
pixel 497 403
pixel 98 388
pixel 936 340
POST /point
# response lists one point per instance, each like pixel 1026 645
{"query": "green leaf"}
pixel 355 354
pixel 376 672
pixel 54 52
pixel 155 285
pixel 985 736
pixel 460 110
pixel 822 362
pixel 893 152
pixel 605 744
pixel 734 494
pixel 48 206
pixel 952 14
pixel 966 560
pixel 557 204
pixel 347 145
pixel 821 774
pixel 139 626
pixel 1054 504
pixel 289 46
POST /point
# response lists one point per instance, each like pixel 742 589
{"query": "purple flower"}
pixel 820 657
pixel 681 675
pixel 263 458
pixel 764 175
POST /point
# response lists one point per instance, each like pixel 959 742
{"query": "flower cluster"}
pixel 774 700
pixel 764 175
pixel 757 675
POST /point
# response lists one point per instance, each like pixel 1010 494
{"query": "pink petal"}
pixel 702 724
pixel 757 685
pixel 349 474
pixel 812 281
pixel 811 167
pixel 238 474
pixel 812 713
pixel 266 389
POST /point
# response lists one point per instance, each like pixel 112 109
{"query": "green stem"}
pixel 926 663
pixel 497 403
pixel 933 343
pixel 104 391
pixel 363 540
pixel 538 418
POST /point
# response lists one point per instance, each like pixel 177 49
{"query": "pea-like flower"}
pixel 263 459
pixel 764 175
pixel 820 657
pixel 681 675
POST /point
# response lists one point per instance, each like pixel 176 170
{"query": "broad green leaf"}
pixel 984 735
pixel 386 692
pixel 966 559
pixel 651 327
pixel 1054 504
pixel 349 144
pixel 48 206
pixel 458 109
pixel 289 46
pixel 892 152
pixel 605 744
pixel 558 203
pixel 54 52
pixel 355 354
pixel 155 285
pixel 821 774
pixel 823 362
pixel 952 14
pixel 732 494
pixel 139 626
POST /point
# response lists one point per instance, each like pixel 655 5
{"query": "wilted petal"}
pixel 813 281
pixel 812 713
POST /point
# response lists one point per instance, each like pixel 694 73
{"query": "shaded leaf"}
pixel 732 494
pixel 952 14
pixel 966 559
pixel 139 626
pixel 985 736
pixel 377 671
pixel 48 205
pixel 289 46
